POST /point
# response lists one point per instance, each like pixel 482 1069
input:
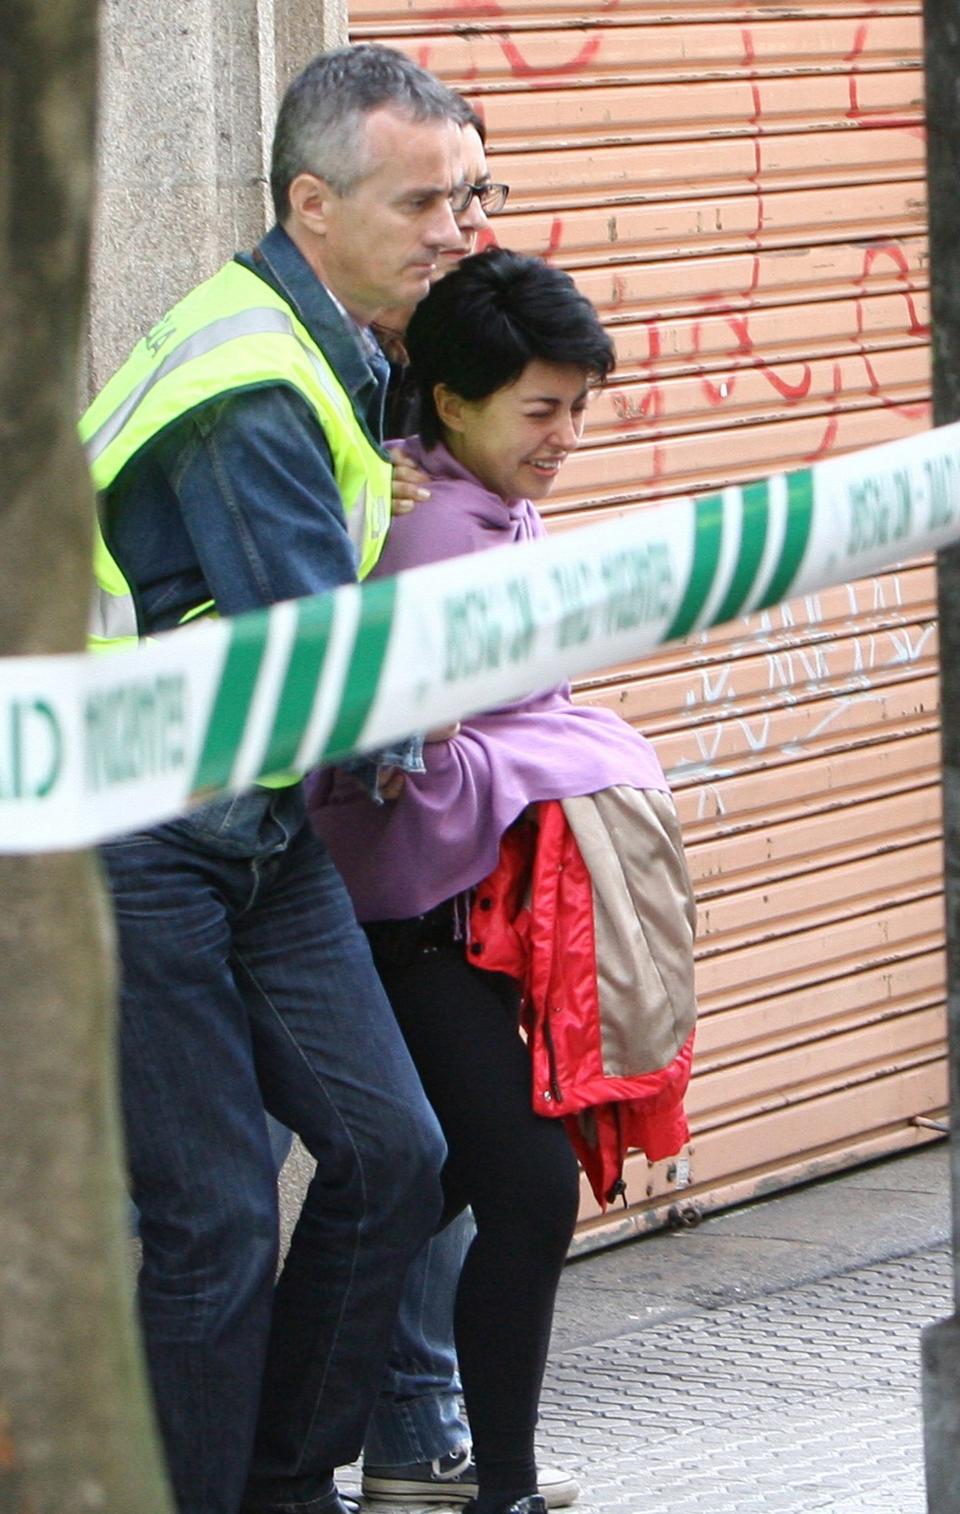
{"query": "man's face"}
pixel 379 243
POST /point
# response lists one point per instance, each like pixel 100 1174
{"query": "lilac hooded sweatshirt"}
pixel 442 835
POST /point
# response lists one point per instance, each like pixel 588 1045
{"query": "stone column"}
pixel 188 97
pixel 302 29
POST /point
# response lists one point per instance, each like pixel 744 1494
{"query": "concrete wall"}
pixel 189 92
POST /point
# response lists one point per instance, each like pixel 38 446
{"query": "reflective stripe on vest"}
pixel 154 388
pixel 113 618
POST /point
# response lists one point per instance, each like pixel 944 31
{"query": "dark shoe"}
pixel 333 1503
pixel 534 1503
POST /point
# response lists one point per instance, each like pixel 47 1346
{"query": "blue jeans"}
pixel 247 983
pixel 417 1415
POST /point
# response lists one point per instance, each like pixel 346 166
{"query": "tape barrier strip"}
pixel 92 747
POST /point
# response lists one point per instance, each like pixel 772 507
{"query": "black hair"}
pixel 497 311
pixel 472 117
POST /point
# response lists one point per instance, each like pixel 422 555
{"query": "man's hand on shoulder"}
pixel 410 483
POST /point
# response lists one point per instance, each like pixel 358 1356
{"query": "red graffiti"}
pixel 859 43
pixel 649 407
pixel 786 390
pixel 874 118
pixel 853 79
pixel 913 411
pixel 556 238
pixel 749 59
pixel 829 439
pixel 897 255
pixel 870 118
pixel 657 402
pixel 757 171
pixel 464 8
pixel 525 70
pixel 745 356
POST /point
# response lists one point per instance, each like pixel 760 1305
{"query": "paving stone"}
pixel 788 1404
pixel 791 1403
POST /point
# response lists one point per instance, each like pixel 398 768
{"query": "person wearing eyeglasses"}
pixel 417 1447
pixel 478 198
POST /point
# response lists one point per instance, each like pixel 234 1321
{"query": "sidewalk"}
pixel 766 1361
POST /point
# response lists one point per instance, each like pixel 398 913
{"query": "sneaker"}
pixel 453 1479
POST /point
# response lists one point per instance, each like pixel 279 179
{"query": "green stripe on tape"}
pixel 708 534
pixel 366 665
pixel 795 539
pixel 753 536
pixel 238 679
pixel 314 617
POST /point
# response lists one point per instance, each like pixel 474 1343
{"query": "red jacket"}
pixel 533 918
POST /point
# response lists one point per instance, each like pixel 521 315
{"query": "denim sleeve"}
pixel 254 479
pixel 406 755
pixel 255 483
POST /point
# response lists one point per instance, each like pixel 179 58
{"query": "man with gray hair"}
pixel 238 460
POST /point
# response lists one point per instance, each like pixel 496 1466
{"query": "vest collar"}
pixel 281 264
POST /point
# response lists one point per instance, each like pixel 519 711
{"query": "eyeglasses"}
pixel 492 198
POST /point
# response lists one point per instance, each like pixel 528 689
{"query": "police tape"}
pixel 92 747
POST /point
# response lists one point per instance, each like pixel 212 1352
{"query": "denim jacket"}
pixel 237 502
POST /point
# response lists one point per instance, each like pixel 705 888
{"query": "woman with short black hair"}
pixel 505 351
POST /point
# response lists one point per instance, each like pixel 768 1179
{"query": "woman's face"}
pixel 517 439
pixel 472 220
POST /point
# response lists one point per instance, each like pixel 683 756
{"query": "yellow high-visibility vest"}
pixel 232 332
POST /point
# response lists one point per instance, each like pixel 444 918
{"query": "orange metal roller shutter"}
pixel 741 192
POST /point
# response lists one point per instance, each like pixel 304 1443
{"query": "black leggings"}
pixel 515 1168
